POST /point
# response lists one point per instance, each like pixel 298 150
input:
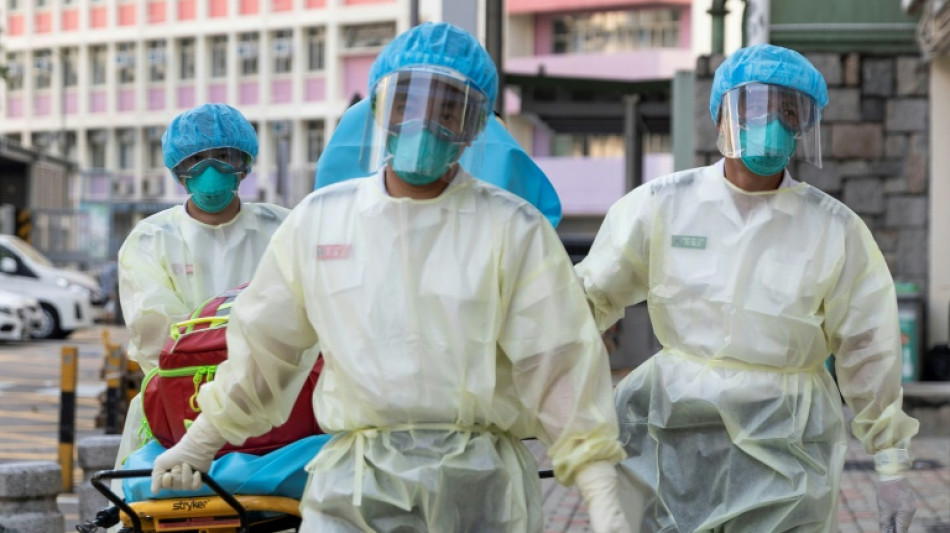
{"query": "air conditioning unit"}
pixel 156 56
pixel 153 185
pixel 42 140
pixel 125 59
pixel 247 50
pixel 153 133
pixel 280 127
pixel 43 63
pixel 282 48
pixel 122 189
pixel 99 137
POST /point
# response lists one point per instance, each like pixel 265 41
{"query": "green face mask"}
pixel 419 157
pixel 212 190
pixel 774 144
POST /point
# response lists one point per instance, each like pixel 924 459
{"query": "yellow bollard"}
pixel 67 413
pixel 114 372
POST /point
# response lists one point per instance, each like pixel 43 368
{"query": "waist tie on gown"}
pixel 360 436
pixel 741 365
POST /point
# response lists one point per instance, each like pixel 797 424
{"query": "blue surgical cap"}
pixel 439 44
pixel 504 163
pixel 766 63
pixel 204 127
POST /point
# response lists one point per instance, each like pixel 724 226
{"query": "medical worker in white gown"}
pixel 752 280
pixel 176 259
pixel 449 318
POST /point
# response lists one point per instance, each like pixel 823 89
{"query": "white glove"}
pixel 598 485
pixel 896 504
pixel 180 467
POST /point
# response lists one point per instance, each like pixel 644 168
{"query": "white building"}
pixel 99 80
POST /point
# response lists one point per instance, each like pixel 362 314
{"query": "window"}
pixel 616 31
pixel 71 146
pixel 316 48
pixel 219 56
pixel 589 145
pixel 657 143
pixel 155 57
pixel 186 59
pixel 14 72
pixel 282 48
pixel 42 69
pixel 125 62
pixel 155 157
pixel 126 147
pixel 314 140
pixel 368 35
pixel 68 2
pixel 13 5
pixel 40 3
pixel 280 142
pixel 97 148
pixel 247 53
pixel 97 62
pixel 69 58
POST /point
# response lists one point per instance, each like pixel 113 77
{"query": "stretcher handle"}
pixel 97 478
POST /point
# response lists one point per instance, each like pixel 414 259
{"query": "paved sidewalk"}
pixel 565 512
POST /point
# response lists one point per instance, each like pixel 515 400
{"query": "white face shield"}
pixel 422 119
pixel 767 125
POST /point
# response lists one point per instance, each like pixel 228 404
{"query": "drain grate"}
pixel 919 464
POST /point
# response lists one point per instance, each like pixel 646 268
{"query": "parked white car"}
pixel 13 318
pixel 69 300
pixel 34 311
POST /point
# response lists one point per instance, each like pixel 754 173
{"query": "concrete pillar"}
pixel 938 299
pixel 95 454
pixel 28 497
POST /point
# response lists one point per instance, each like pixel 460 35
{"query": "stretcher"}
pixel 221 513
pixel 215 511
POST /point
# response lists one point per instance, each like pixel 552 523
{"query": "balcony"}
pixel 635 65
pixel 590 185
pixel 543 6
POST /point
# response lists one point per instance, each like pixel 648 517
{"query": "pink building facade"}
pixel 570 66
pixel 99 80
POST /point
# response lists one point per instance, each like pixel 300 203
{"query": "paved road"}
pixel 30 400
pixel 29 416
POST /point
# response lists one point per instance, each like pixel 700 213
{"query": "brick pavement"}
pixel 564 511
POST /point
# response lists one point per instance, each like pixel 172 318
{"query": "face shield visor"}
pixel 767 125
pixel 421 120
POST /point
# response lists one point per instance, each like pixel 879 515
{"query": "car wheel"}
pixel 50 326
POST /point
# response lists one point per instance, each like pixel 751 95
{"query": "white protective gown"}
pixel 450 328
pixel 736 425
pixel 169 265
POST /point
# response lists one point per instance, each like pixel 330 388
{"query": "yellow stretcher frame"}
pixel 224 513
pixel 207 514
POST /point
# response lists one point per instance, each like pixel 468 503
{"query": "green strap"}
pixel 189 325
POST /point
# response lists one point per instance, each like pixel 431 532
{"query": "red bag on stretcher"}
pixel 189 359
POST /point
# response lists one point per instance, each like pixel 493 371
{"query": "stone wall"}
pixel 874 144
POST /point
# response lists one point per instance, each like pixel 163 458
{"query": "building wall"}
pixel 533 50
pixel 874 142
pixel 300 103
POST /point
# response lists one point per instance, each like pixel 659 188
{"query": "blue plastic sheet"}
pixel 278 473
pixel 504 163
